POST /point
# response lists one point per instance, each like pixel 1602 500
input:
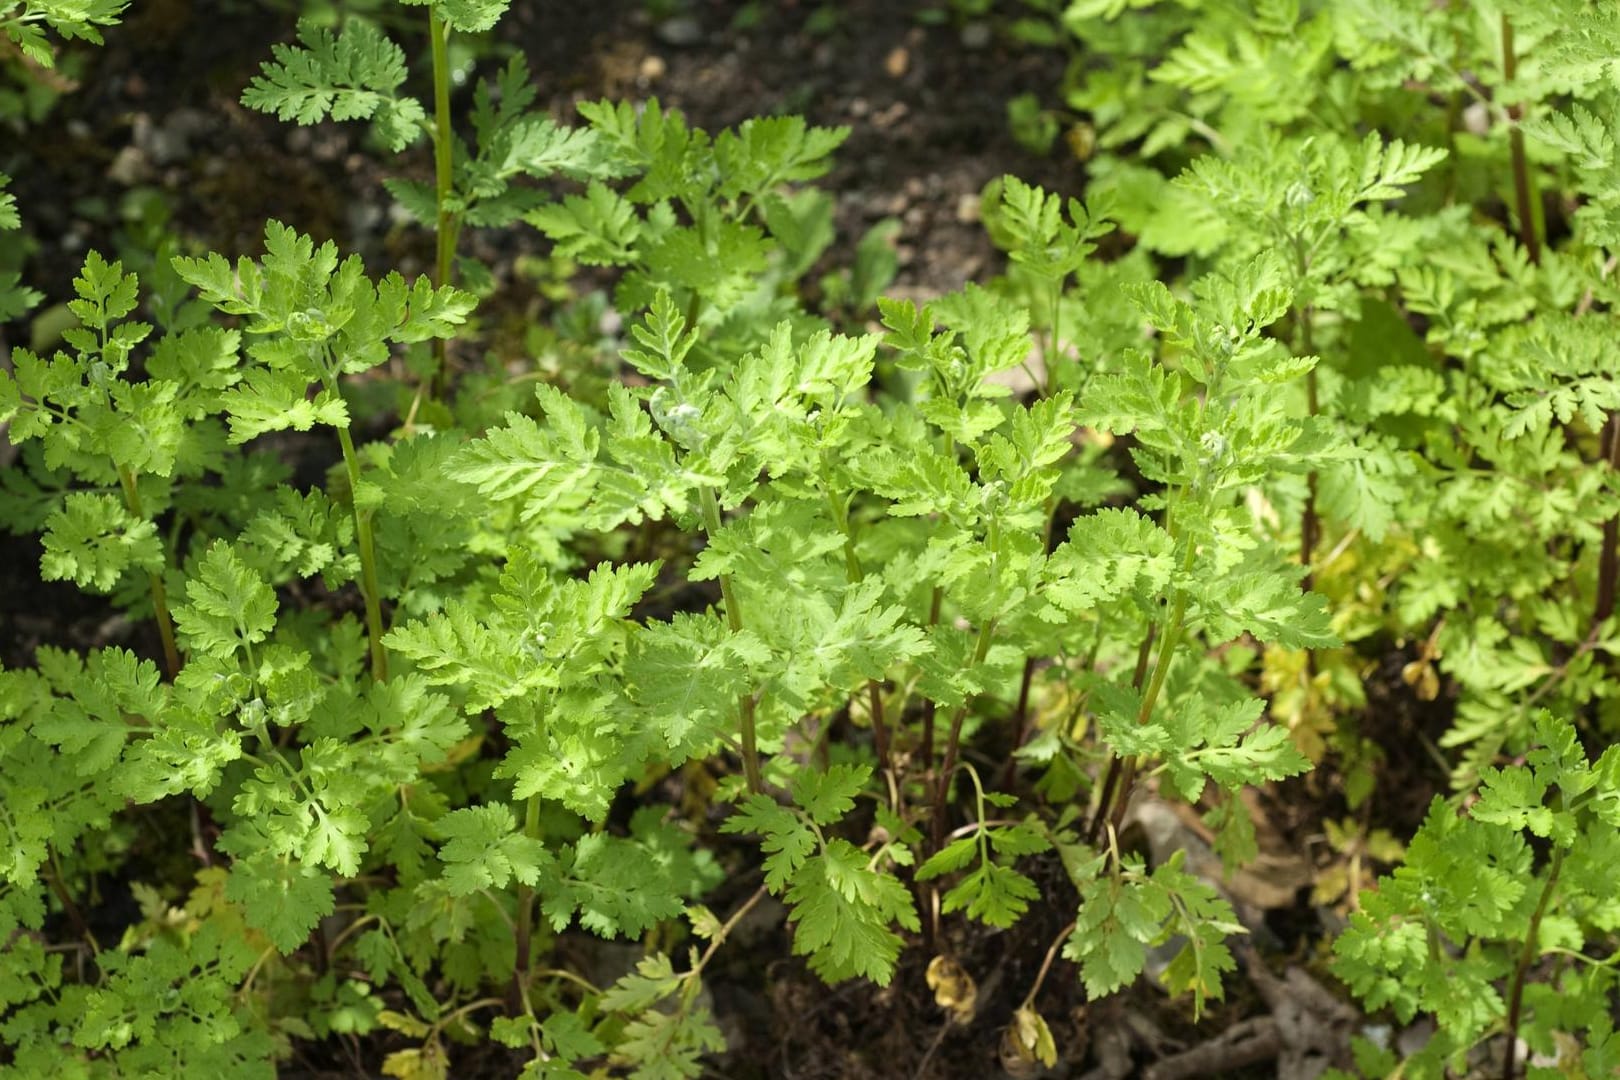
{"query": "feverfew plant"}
pixel 1469 510
pixel 1522 881
pixel 922 598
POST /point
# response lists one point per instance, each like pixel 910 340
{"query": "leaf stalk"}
pixel 745 702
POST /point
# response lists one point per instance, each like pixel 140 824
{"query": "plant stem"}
pixel 745 702
pixel 1309 526
pixel 1161 670
pixel 725 930
pixel 69 908
pixel 1609 558
pixel 523 932
pixel 942 786
pixel 1021 711
pixel 935 602
pixel 1143 653
pixel 1526 955
pixel 1020 722
pixel 854 573
pixel 1523 184
pixel 160 594
pixel 368 556
pixel 1170 639
pixel 1046 964
pixel 443 157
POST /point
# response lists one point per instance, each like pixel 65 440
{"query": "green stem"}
pixel 368 556
pixel 854 573
pixel 725 931
pixel 953 740
pixel 1609 553
pixel 523 933
pixel 1144 653
pixel 745 702
pixel 69 908
pixel 1523 183
pixel 1027 679
pixel 160 594
pixel 1167 649
pixel 1161 671
pixel 1309 527
pixel 1526 955
pixel 443 150
pixel 936 601
pixel 1057 311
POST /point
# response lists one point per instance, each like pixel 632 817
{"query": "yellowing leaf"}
pixel 1027 1041
pixel 954 989
pixel 409 1026
pixel 419 1063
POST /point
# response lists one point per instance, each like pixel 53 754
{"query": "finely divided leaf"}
pixel 354 75
pixel 483 850
pixel 228 605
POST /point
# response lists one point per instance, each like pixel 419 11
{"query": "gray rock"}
pixel 680 31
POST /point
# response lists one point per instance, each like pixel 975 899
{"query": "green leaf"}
pixel 483 850
pixel 599 228
pixel 957 855
pixel 1108 554
pixel 284 899
pixel 995 895
pixel 770 150
pixel 685 676
pixel 92 540
pixel 467 16
pixel 1206 921
pixel 1387 168
pixel 664 341
pixel 843 911
pixel 1267 605
pixel 9 218
pixel 277 400
pixel 827 796
pixel 354 75
pixel 624 886
pixel 1119 918
pixel 653 980
pixel 228 606
pixel 787 842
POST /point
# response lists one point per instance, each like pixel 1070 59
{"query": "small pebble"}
pixel 975 35
pixel 652 69
pixel 680 31
pixel 130 167
pixel 897 62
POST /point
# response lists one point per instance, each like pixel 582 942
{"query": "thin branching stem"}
pixel 1144 653
pixel 936 601
pixel 953 740
pixel 523 928
pixel 1310 525
pixel 746 702
pixel 1523 183
pixel 446 225
pixel 1609 554
pixel 854 572
pixel 726 928
pixel 1527 954
pixel 369 589
pixel 160 593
